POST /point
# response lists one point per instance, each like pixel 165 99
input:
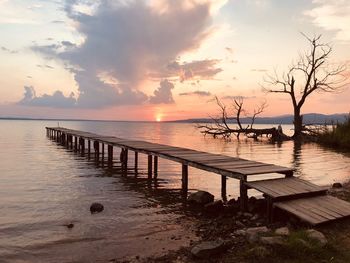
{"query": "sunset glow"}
pixel 104 60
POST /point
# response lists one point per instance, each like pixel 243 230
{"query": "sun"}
pixel 159 118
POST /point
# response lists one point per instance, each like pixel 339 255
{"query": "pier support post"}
pixel 82 145
pixel 75 143
pixel 243 193
pixel 155 168
pixel 124 161
pixel 110 156
pixel 103 153
pixel 223 187
pixel 149 166
pixel 136 162
pixel 184 179
pixel 89 148
pixel 97 151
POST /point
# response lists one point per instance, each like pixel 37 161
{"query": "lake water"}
pixel 44 186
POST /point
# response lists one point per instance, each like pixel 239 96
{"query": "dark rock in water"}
pixel 231 202
pixel 200 198
pixel 208 248
pixel 214 207
pixel 337 185
pixel 71 225
pixel 96 208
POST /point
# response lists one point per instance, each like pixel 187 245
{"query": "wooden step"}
pixel 316 210
pixel 286 188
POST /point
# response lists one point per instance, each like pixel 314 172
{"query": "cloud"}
pixel 236 97
pixel 163 94
pixel 9 50
pixel 332 15
pixel 199 93
pixel 197 69
pixel 56 100
pixel 127 42
pixel 45 66
pixel 259 70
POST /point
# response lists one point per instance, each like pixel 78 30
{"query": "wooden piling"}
pixel 243 193
pixel 223 187
pixel 97 151
pixel 155 168
pixel 136 162
pixel 184 178
pixel 149 166
pixel 110 156
pixel 75 143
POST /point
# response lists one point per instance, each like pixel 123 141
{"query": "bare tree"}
pixel 312 73
pixel 220 126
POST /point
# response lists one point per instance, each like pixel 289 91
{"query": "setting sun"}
pixel 158 118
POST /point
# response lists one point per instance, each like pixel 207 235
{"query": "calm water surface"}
pixel 44 186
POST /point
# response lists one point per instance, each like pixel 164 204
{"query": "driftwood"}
pixel 220 126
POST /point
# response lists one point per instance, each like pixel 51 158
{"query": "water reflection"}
pixel 44 186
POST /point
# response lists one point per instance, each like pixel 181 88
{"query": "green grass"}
pixel 338 136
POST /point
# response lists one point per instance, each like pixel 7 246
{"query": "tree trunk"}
pixel 298 123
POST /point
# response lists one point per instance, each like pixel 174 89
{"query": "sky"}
pixel 160 59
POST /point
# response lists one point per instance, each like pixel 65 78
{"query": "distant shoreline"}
pixel 309 118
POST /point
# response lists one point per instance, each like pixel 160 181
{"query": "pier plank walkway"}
pixel 303 199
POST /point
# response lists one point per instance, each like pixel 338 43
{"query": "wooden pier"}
pixel 290 194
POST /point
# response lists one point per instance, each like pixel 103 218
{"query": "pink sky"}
pixel 159 59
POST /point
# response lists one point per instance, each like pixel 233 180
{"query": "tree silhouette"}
pixel 312 73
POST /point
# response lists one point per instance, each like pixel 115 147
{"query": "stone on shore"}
pixel 214 207
pixel 96 208
pixel 208 248
pixel 282 231
pixel 253 233
pixel 272 241
pixel 317 235
pixel 337 185
pixel 200 198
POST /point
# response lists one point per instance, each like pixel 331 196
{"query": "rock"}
pixel 208 248
pixel 240 232
pixel 259 252
pixel 214 207
pixel 317 235
pixel 272 241
pixel 282 231
pixel 253 233
pixel 96 208
pixel 231 202
pixel 70 225
pixel 200 198
pixel 248 215
pixel 240 224
pixel 337 185
pixel 255 217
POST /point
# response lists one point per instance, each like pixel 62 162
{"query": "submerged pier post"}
pixel 97 151
pixel 110 156
pixel 82 146
pixel 184 178
pixel 136 162
pixel 155 168
pixel 124 161
pixel 75 143
pixel 89 148
pixel 103 153
pixel 149 166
